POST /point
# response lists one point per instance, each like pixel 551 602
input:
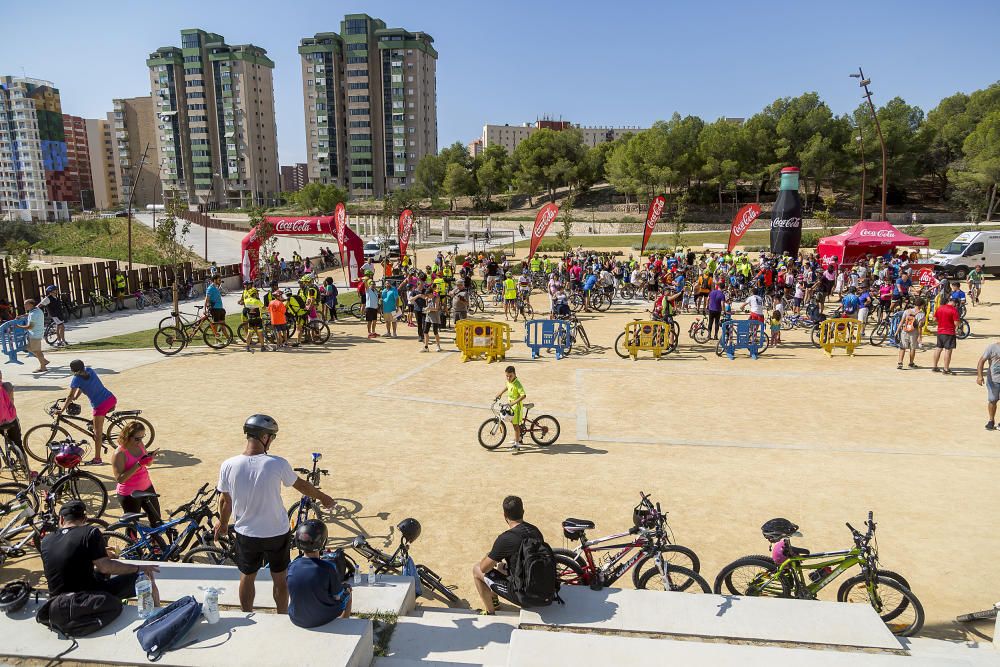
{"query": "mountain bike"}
pixel 383 563
pixel 672 339
pixel 577 332
pixel 306 508
pixel 98 300
pixel 22 524
pixel 13 458
pixel 699 330
pixel 170 340
pixel 38 439
pixel 887 592
pixel 65 484
pixel 128 539
pixel 543 429
pixel 522 307
pixel 141 300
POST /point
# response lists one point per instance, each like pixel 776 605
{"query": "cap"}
pixel 73 509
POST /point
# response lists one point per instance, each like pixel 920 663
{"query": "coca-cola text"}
pixel 296 226
pixel 787 223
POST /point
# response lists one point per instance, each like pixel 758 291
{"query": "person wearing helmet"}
pixel 277 309
pixel 850 304
pixel 509 296
pixel 250 486
pixel 57 311
pixel 318 589
pixel 86 381
pixel 491 574
pixel 75 559
pixel 252 306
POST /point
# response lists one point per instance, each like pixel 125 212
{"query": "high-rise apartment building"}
pixel 370 102
pixel 80 182
pixel 102 168
pixel 509 136
pixel 133 124
pixel 33 154
pixel 294 177
pixel 216 133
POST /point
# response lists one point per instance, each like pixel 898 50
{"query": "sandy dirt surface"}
pixel 723 445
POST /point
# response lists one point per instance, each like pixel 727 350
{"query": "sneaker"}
pixel 496 601
pixel 913 366
pixel 375 335
pixel 990 426
pixel 94 462
pixel 936 370
pixel 425 349
pixel 899 366
pixel 483 612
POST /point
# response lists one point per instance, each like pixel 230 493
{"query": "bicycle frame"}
pixel 147 535
pixel 840 561
pixel 616 566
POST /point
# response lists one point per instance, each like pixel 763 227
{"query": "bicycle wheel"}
pixel 675 554
pixel 879 334
pixel 627 292
pixel 575 302
pixel 492 433
pixel 208 556
pixel 602 302
pixel 620 347
pixel 309 512
pixel 527 312
pixel 752 576
pixel 765 341
pixel 895 604
pixel 582 333
pixel 678 579
pixel 107 304
pixel 85 486
pixel 222 337
pixel 814 335
pixel 116 424
pixel 432 581
pixel 356 310
pixel 77 312
pixel 569 572
pixel 17 461
pixel 8 498
pixel 121 546
pixel 50 334
pixel 169 340
pixel 270 335
pixel 675 336
pixel 242 330
pixel 140 303
pixel 963 330
pixel 700 334
pixel 37 440
pixel 544 430
pixel 318 332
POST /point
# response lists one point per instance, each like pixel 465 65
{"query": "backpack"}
pixel 344 568
pixel 909 323
pixel 533 581
pixel 161 632
pixel 79 614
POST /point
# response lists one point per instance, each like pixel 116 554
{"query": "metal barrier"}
pixel 13 339
pixel 842 332
pixel 647 335
pixel 894 320
pixel 478 338
pixel 748 335
pixel 548 335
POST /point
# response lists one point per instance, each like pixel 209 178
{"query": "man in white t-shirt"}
pixel 755 304
pixel 250 490
pixel 990 362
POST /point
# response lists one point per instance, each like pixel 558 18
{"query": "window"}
pixel 974 249
pixel 309 69
pixel 196 82
pixel 397 78
pixel 188 59
pixel 357 98
pixel 357 72
pixel 360 137
pixel 412 117
pixel 413 143
pixel 411 105
pixel 360 123
pixel 196 95
pixel 361 149
pixel 320 107
pixel 192 70
pixel 357 60
pixel 358 85
pixel 309 82
pixel 190 40
pixel 412 130
pixel 357 112
pixel 361 160
pixel 360 46
pixel 409 91
pixel 409 78
pixel 413 156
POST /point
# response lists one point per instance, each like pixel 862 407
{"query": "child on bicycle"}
pixel 515 397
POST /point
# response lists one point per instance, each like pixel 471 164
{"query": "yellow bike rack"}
pixel 646 335
pixel 842 332
pixel 479 338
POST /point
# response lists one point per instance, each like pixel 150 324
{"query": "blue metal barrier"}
pixel 13 339
pixel 894 320
pixel 548 335
pixel 743 335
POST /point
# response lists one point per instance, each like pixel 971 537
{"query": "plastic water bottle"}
pixel 371 576
pixel 357 576
pixel 144 595
pixel 210 604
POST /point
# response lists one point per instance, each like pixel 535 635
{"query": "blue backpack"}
pixel 161 632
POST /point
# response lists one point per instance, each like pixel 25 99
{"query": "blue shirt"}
pixel 315 593
pixel 92 387
pixel 214 296
pixel 390 297
pixel 371 298
pixel 589 282
pixel 36 318
pixel 958 294
pixel 850 303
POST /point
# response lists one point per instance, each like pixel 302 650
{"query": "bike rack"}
pixel 894 321
pixel 13 339
pixel 548 335
pixel 648 335
pixel 844 332
pixel 742 335
pixel 478 338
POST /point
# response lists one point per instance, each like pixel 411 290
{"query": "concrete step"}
pixel 981 654
pixel 237 639
pixel 452 637
pixel 768 620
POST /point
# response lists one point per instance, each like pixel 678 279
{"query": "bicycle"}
pixel 577 332
pixel 306 508
pixel 522 307
pixel 672 338
pixel 762 345
pixel 141 300
pixel 170 340
pixel 699 330
pixel 38 439
pixel 887 592
pixel 13 458
pixel 396 562
pixel 98 300
pixel 66 484
pixel 543 429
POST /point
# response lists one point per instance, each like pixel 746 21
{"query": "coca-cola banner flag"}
pixel 404 229
pixel 652 215
pixel 545 216
pixel 741 223
pixel 339 224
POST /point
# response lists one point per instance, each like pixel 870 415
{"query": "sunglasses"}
pixel 139 437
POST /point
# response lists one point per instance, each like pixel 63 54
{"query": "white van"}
pixel 966 251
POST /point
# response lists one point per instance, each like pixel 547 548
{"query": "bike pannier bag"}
pixel 162 631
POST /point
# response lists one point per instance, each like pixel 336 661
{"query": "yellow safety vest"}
pixel 120 282
pixel 509 289
pixel 441 286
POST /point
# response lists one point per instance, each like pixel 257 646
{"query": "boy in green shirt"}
pixel 515 396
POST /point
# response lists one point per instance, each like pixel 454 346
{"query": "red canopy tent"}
pixel 876 238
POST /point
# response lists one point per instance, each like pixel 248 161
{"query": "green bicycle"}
pixel 797 573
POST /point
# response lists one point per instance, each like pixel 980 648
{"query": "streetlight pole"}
pixel 878 128
pixel 864 169
pixel 131 195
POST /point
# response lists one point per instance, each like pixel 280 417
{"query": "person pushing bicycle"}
pixel 515 396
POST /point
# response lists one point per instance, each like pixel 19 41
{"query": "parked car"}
pixel 966 251
pixel 375 252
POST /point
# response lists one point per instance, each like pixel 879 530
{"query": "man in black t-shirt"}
pixel 75 559
pixel 490 574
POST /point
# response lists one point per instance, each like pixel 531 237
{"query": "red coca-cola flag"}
pixel 403 230
pixel 652 215
pixel 741 223
pixel 545 216
pixel 340 222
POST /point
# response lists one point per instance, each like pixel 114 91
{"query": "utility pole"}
pixel 864 169
pixel 878 128
pixel 131 196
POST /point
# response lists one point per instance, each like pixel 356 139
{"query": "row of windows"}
pixel 192 59
pixel 360 46
pixel 360 123
pixel 357 60
pixel 192 70
pixel 361 160
pixel 360 137
pixel 197 107
pixel 357 98
pixel 358 85
pixel 361 149
pixel 196 95
pixel 357 112
pixel 357 72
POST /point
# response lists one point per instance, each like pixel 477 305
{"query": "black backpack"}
pixel 79 614
pixel 533 579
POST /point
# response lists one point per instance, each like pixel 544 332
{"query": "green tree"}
pixel 723 148
pixel 493 171
pixel 318 198
pixel 979 172
pixel 458 182
pixel 170 238
pixel 547 160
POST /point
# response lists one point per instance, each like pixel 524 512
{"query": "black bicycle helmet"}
pixel 73 409
pixel 14 595
pixel 778 529
pixel 409 529
pixel 310 535
pixel 260 425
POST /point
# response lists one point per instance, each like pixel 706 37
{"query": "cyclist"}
pixel 213 303
pixel 251 311
pixel 276 308
pixel 53 303
pixel 490 575
pixel 250 489
pixel 10 425
pixel 957 295
pixel 588 288
pixel 129 466
pixel 509 297
pixel 86 381
pixel 121 285
pixel 975 284
pixel 515 397
pixel 318 592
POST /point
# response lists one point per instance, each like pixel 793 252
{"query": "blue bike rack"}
pixel 742 335
pixel 894 321
pixel 548 335
pixel 13 339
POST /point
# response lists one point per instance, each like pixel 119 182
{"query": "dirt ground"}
pixel 723 445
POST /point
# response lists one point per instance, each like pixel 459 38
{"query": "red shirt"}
pixel 947 317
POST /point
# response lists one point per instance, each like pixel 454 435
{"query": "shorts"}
pixel 371 314
pixel 106 406
pixel 254 321
pixel 253 552
pixel 797 301
pixel 218 315
pixel 280 327
pixel 56 321
pixel 510 299
pixel 388 314
pixel 946 341
pixel 500 584
pixel 34 345
pixel 756 317
pixel 518 413
pixel 992 390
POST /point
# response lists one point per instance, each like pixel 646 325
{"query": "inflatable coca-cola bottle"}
pixel 786 219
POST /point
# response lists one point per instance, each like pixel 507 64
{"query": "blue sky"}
pixel 595 63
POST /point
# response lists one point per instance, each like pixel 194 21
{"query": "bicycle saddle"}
pixel 575 525
pixel 528 406
pixel 138 495
pixel 131 516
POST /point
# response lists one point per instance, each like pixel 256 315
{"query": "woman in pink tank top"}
pixel 8 412
pixel 130 467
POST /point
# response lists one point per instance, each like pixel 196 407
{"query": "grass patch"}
pixel 383 625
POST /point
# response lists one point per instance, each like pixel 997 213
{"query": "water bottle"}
pixel 144 595
pixel 210 604
pixel 816 575
pixel 371 576
pixel 357 576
